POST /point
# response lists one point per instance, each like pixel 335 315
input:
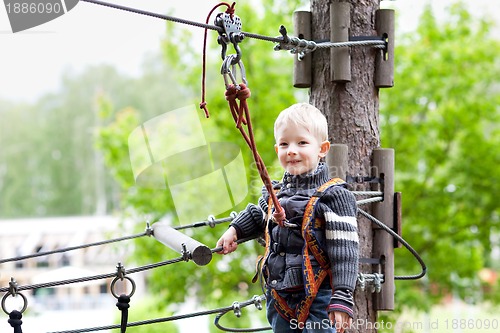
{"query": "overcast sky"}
pixel 32 61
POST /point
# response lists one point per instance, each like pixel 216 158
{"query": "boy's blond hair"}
pixel 304 115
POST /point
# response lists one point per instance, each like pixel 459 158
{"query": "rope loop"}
pixel 223 36
pixel 4 299
pixel 120 275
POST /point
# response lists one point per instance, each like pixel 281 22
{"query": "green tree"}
pixel 442 119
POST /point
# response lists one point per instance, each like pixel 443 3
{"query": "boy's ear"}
pixel 324 148
pixel 276 148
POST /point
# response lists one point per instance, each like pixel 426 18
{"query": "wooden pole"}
pixel 337 161
pixel 384 62
pixel 383 242
pixel 340 22
pixel 352 112
pixel 302 67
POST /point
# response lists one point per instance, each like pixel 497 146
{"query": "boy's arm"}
pixel 338 207
pixel 247 223
pixel 250 221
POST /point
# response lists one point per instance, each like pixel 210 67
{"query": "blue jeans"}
pixel 317 322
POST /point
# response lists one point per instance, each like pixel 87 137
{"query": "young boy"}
pixel 301 135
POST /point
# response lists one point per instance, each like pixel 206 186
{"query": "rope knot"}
pixel 15 321
pixel 244 92
pixel 230 9
pixel 123 302
pixel 231 93
pixel 203 106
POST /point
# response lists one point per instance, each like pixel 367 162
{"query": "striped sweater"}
pixel 337 207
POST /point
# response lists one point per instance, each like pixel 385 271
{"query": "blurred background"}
pixel 73 90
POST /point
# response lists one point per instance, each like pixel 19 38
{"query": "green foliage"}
pixel 442 119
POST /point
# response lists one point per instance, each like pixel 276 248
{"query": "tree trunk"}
pixel 352 112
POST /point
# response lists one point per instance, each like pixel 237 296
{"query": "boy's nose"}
pixel 291 150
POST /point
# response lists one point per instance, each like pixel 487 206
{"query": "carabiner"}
pixel 229 67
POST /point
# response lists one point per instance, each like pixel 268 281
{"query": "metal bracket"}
pixel 120 275
pixel 186 255
pixel 237 309
pixel 373 281
pixel 257 301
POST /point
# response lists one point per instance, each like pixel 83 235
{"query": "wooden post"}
pixel 337 161
pixel 351 109
pixel 302 68
pixel 383 242
pixel 384 61
pixel 340 59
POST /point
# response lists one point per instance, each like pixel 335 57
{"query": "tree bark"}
pixel 352 112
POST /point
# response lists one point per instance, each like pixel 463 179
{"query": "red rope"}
pixel 230 11
pixel 241 116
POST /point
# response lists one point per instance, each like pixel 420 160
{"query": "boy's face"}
pixel 298 150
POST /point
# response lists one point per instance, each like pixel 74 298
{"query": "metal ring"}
pixel 114 282
pixel 4 298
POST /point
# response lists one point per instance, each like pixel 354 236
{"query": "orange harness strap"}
pixel 313 278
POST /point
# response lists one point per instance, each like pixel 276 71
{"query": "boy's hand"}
pixel 228 241
pixel 341 319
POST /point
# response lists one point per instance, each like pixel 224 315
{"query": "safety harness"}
pixel 313 277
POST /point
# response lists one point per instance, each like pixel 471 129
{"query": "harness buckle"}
pixel 290 225
pixel 286 223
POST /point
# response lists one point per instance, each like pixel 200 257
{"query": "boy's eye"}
pixel 303 143
pixel 283 144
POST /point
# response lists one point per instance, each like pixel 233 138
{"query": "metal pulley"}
pixel 232 34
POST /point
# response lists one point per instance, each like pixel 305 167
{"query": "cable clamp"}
pixel 373 281
pixel 149 230
pixel 211 221
pixel 237 309
pixel 295 45
pixel 186 255
pixel 257 301
pixel 13 287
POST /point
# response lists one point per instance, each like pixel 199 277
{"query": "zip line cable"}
pixel 402 241
pixel 284 40
pixel 256 300
pixel 211 221
pixel 14 290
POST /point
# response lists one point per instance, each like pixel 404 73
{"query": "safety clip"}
pixel 229 68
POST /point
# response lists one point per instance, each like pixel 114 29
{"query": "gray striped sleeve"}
pixel 249 222
pixel 338 208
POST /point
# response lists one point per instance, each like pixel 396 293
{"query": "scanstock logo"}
pixel 26 14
